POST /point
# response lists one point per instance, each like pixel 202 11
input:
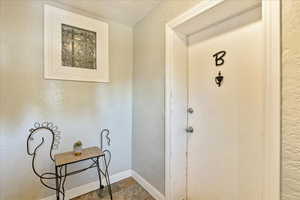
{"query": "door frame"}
pixel 176 97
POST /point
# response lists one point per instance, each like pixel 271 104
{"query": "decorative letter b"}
pixel 219 58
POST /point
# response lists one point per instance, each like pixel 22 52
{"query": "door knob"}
pixel 189 129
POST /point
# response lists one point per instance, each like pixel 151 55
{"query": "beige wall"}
pixel 80 109
pixel 148 94
pixel 291 100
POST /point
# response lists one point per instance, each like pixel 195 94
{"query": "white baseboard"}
pixel 147 186
pixel 83 189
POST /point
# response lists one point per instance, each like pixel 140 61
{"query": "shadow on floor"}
pixel 127 189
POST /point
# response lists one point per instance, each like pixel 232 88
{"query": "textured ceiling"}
pixel 127 12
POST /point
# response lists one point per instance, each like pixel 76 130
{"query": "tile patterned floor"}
pixel 127 189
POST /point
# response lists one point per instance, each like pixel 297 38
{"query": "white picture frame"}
pixel 54 18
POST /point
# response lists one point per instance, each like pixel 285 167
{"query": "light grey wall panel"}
pixel 148 153
pixel 79 109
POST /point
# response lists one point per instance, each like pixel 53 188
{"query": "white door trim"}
pixel 271 19
pixel 272 27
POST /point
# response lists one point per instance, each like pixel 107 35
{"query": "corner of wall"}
pixel 1 100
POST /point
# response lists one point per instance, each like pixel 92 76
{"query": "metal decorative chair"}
pixel 58 176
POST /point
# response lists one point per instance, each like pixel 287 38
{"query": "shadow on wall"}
pixel 226 26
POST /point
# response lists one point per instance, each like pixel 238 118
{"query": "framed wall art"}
pixel 75 46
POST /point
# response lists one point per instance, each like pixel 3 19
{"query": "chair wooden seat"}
pixel 69 157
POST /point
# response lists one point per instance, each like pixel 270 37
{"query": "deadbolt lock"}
pixel 189 129
pixel 190 110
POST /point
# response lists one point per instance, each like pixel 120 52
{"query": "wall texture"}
pixel 80 109
pixel 148 94
pixel 290 100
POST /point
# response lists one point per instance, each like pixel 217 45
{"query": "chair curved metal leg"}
pixel 57 183
pixel 107 178
pixel 99 174
pixel 64 181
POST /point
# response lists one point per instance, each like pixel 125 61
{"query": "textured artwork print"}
pixel 75 47
pixel 78 47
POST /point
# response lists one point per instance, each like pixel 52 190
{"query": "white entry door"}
pixel 225 150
